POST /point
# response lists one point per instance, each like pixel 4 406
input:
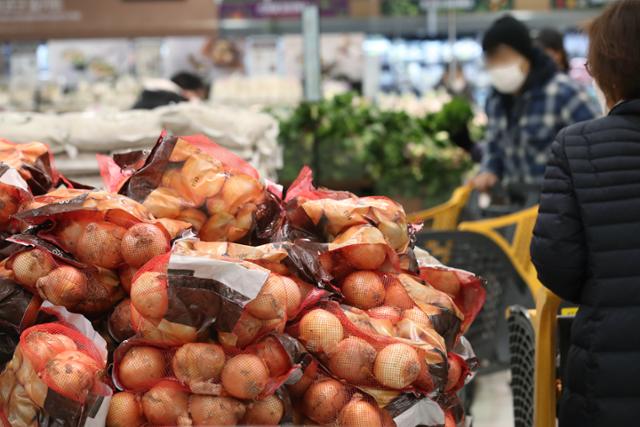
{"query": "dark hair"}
pixel 613 58
pixel 188 81
pixel 511 32
pixel 549 38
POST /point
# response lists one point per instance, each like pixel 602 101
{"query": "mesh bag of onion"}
pixel 45 270
pixel 14 193
pixel 101 229
pixel 219 387
pixel 33 161
pixel 368 352
pixel 319 398
pixel 176 297
pixel 55 377
pixel 192 179
pixel 326 214
pixel 18 310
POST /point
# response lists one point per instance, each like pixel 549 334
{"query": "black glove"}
pixel 463 140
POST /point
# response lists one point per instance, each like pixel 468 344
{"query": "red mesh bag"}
pixel 46 271
pixel 326 214
pixel 101 229
pixel 322 399
pixel 14 193
pixel 367 352
pixel 34 162
pixel 192 179
pixel 465 289
pixel 55 374
pixel 174 298
pixel 169 403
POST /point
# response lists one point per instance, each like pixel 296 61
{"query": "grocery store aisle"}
pixel 493 406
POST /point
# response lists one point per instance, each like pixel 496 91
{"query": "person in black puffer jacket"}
pixel 586 244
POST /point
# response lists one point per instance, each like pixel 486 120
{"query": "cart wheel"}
pixel 522 345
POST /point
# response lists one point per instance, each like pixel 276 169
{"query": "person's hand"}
pixel 484 181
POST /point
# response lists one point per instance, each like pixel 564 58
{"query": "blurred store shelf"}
pixel 467 23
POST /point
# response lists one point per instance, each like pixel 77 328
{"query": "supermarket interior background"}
pixel 372 95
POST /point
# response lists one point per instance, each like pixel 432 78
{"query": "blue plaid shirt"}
pixel 517 141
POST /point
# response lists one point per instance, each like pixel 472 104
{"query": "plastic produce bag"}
pixel 175 297
pixel 14 192
pixel 34 162
pixel 55 376
pixel 193 179
pixel 326 213
pixel 18 310
pixel 369 353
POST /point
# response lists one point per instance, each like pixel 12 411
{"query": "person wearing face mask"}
pixel 530 102
pixel 586 243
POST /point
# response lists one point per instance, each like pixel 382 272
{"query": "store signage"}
pixel 265 9
pixel 46 19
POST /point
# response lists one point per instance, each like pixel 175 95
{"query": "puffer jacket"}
pixel 586 248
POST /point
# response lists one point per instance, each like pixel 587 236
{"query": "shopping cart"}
pixel 446 215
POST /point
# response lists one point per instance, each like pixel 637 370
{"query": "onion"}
pixel 164 404
pixel 216 205
pixel 125 411
pixel 31 265
pixel 202 177
pixel 397 366
pixel 386 419
pixel 265 412
pixel 383 327
pixel 424 380
pixel 386 312
pixel 365 256
pixel 215 411
pixel 454 373
pixel 324 399
pixel 320 330
pixel 142 242
pixel 242 223
pixel 359 413
pixel 293 294
pixel 299 388
pixel 120 321
pixel 172 179
pixel 40 347
pixel 126 274
pixel 271 301
pixel 240 189
pixel 418 316
pixel 363 289
pixel 215 229
pixel 64 286
pixel 395 232
pixel 183 150
pixel 397 296
pixel 246 329
pixel 163 202
pixel 68 234
pixel 274 356
pixel 193 216
pixel 163 332
pixel 99 245
pixel 445 281
pixel 70 373
pixel 198 362
pixel 352 360
pixel 149 295
pixel 141 367
pixel 245 376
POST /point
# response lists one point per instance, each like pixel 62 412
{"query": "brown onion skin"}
pixel 70 373
pixel 320 330
pixel 195 362
pixel 141 367
pixel 397 366
pixel 453 374
pixel 215 411
pixel 397 296
pixel 363 289
pixel 125 410
pixel 265 412
pixel 359 413
pixel 274 356
pixel 164 404
pixel 324 399
pixel 43 346
pixel 142 242
pixel 64 286
pixel 99 245
pixel 365 256
pixel 245 376
pixel 120 321
pixel 29 266
pixel 149 295
pixel 352 360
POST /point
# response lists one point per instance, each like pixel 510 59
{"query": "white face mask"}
pixel 602 99
pixel 507 79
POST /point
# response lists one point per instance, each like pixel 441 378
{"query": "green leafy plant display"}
pixel 360 147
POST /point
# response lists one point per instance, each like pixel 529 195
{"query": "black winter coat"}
pixel 586 248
